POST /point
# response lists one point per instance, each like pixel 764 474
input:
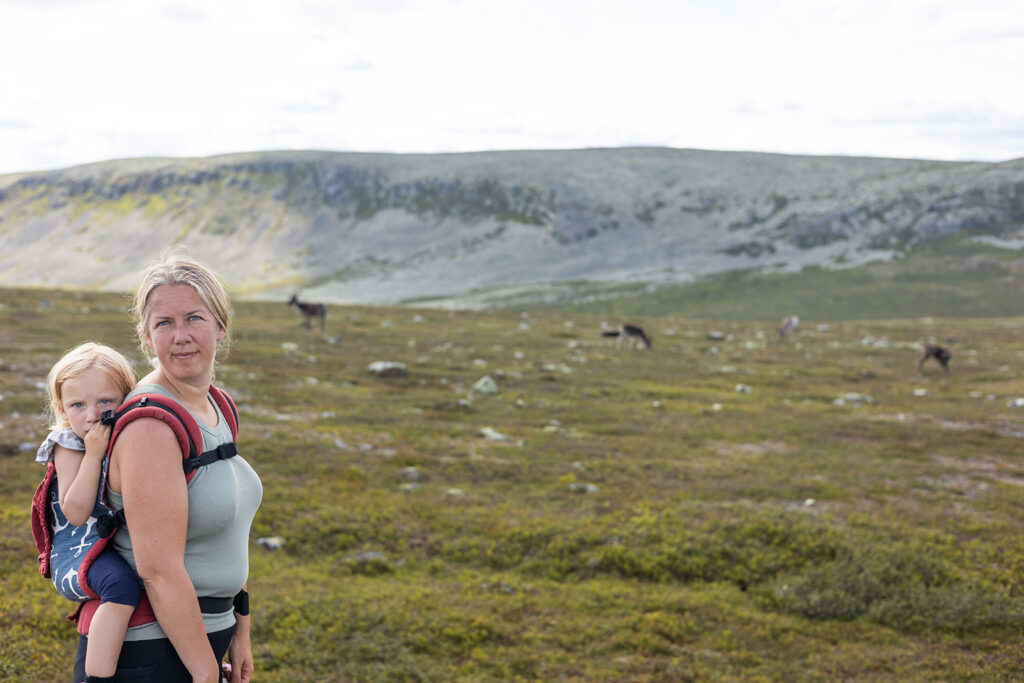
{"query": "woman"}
pixel 188 543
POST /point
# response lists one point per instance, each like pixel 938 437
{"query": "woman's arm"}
pixel 78 474
pixel 156 509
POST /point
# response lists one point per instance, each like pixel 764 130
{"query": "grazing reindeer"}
pixel 310 311
pixel 629 334
pixel 941 355
pixel 789 324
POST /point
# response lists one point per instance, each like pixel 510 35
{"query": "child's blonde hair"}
pixel 76 362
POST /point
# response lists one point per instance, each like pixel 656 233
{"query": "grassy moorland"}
pixel 732 508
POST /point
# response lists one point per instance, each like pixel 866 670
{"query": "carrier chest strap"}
pixel 221 452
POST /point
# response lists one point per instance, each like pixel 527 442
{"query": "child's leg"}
pixel 106 635
pixel 119 590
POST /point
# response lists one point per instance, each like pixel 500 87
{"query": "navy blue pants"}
pixel 113 579
pixel 152 661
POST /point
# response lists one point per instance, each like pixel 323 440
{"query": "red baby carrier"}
pixel 65 554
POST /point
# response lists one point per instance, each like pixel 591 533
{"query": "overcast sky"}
pixel 88 80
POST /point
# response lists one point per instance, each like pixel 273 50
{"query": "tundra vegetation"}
pixel 727 507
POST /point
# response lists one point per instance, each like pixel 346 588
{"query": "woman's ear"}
pixel 221 333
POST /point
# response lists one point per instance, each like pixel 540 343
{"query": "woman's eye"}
pixel 105 401
pixel 77 404
pixel 195 317
pixel 161 323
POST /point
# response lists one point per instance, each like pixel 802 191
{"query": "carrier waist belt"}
pixel 215 605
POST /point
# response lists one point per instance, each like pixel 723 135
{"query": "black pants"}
pixel 152 661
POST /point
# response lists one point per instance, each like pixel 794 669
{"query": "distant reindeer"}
pixel 941 355
pixel 632 335
pixel 310 311
pixel 789 324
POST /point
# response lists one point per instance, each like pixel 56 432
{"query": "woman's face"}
pixel 183 333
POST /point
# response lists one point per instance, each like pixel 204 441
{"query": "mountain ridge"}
pixel 480 228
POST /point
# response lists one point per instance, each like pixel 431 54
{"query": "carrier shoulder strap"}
pixel 227 408
pixel 186 429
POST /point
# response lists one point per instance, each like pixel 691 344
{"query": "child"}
pixel 88 380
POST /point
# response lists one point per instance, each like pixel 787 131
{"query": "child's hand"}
pixel 96 440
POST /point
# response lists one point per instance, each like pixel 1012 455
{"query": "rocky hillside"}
pixel 480 229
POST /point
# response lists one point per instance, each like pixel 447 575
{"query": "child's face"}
pixel 84 398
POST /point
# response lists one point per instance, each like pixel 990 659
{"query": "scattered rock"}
pixel 289 346
pixel 459 405
pixel 486 385
pixel 383 368
pixel 410 473
pixel 411 486
pixel 920 392
pixel 715 335
pixel 1015 403
pixel 271 542
pixel 493 434
pixel 368 563
pixel 744 389
pixel 853 398
pixel 580 487
pixel 556 367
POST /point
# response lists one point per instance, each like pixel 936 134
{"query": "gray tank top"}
pixel 222 501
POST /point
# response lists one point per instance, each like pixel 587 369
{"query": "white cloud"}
pixel 116 78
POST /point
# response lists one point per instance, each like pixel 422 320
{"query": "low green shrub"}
pixel 905 588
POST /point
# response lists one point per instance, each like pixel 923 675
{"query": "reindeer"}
pixel 942 357
pixel 632 335
pixel 310 311
pixel 789 324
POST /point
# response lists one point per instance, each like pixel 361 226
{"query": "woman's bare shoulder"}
pixel 146 429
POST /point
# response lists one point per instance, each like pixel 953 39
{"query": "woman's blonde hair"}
pixel 177 268
pixel 76 362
